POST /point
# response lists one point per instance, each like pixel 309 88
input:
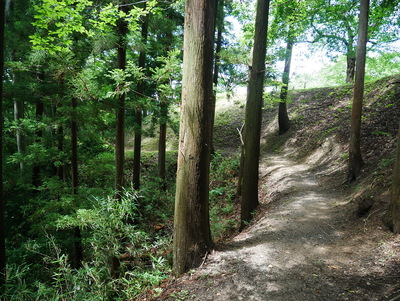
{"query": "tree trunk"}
pixel 18 116
pixel 2 223
pixel 240 175
pixel 350 69
pixel 283 118
pixel 219 18
pixel 137 149
pixel 78 251
pixel 392 217
pixel 60 170
pixel 36 181
pixel 162 142
pixel 192 236
pixel 138 112
pixel 122 30
pixel 254 103
pixel 355 158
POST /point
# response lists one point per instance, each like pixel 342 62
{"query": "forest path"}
pixel 301 248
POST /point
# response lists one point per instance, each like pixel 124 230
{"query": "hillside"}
pixel 313 238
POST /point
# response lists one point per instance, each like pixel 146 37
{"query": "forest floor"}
pixel 313 238
pixel 302 246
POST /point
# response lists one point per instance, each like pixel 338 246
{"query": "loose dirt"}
pixel 304 245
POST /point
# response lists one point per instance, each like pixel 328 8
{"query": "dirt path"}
pixel 301 249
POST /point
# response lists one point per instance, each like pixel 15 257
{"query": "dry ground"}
pixel 313 238
pixel 304 245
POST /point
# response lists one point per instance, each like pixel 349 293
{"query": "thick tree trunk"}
pixel 355 158
pixel 254 103
pixel 283 118
pixel 392 217
pixel 192 236
pixel 78 251
pixel 2 223
pixel 122 30
pixel 138 112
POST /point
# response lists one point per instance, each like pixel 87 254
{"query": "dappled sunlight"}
pixel 296 251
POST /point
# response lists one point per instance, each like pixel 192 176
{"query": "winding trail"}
pixel 299 250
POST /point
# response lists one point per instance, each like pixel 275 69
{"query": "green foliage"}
pixel 223 174
pixel 111 231
pixel 56 22
pixel 124 79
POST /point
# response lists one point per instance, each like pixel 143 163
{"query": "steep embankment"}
pixel 313 238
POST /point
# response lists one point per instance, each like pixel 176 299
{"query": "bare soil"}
pixel 312 238
pixel 303 246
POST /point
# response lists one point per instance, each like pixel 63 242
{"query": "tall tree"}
pixel 138 110
pixel 392 217
pixel 78 250
pixel 289 25
pixel 192 236
pixel 355 158
pixel 2 223
pixel 283 117
pixel 122 31
pixel 334 27
pixel 253 117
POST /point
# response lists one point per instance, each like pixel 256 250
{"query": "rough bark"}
pixel 392 216
pixel 138 112
pixel 355 158
pixel 254 103
pixel 283 117
pixel 122 30
pixel 2 223
pixel 192 237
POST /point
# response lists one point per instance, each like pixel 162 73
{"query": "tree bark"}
pixel 36 180
pixel 137 148
pixel 60 170
pixel 122 30
pixel 254 103
pixel 392 217
pixel 162 140
pixel 350 69
pixel 283 118
pixel 2 202
pixel 18 116
pixel 219 19
pixel 355 158
pixel 138 112
pixel 78 251
pixel 192 236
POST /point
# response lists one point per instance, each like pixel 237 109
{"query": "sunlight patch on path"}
pixel 287 245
